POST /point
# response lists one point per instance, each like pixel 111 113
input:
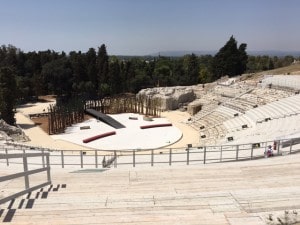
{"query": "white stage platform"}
pixel 131 137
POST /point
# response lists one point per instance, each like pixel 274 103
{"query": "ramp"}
pixel 105 118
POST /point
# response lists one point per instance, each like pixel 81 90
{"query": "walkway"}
pixel 240 193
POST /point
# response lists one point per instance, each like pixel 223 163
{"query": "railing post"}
pixel 62 159
pixel 133 160
pixel 81 159
pixel 251 157
pixel 204 155
pixel 170 157
pixel 43 158
pixel 237 153
pixel 187 156
pixel 115 162
pixel 48 167
pixel 152 157
pixel 291 145
pixel 221 153
pixel 96 158
pixel 7 161
pixel 25 166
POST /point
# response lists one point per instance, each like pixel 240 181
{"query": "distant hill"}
pixel 182 53
pixel 213 52
pixel 275 53
pixel 291 69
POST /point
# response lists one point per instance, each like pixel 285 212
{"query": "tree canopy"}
pixel 230 60
pixel 95 73
pixel 7 95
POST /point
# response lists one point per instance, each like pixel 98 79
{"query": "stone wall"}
pixel 171 97
pixel 194 108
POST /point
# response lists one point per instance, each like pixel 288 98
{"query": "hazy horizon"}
pixel 131 27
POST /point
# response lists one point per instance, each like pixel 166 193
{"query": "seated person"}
pixel 269 151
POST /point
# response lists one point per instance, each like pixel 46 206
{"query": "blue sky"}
pixel 138 27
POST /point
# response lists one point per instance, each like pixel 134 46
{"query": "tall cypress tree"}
pixel 91 57
pixel 102 67
pixel 7 95
pixel 230 60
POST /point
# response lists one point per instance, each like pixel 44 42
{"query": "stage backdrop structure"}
pixel 63 115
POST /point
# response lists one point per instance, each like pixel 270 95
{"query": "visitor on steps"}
pixel 269 151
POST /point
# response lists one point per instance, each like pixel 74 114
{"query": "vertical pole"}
pixel 25 166
pixel 96 158
pixel 133 155
pixel 115 162
pixel 221 153
pixel 152 157
pixel 43 158
pixel 81 159
pixel 170 157
pixel 204 155
pixel 237 153
pixel 291 145
pixel 62 159
pixel 187 156
pixel 48 167
pixel 7 161
pixel 278 146
pixel 251 157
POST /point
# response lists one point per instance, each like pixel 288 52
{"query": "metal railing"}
pixel 26 172
pixel 166 156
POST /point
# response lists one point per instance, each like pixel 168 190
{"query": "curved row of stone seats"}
pixel 238 123
pixel 262 115
pixel 126 196
pixel 292 103
pixel 271 110
pixel 267 95
pixel 240 104
pixel 271 121
pixel 211 126
pixel 271 130
pixel 229 112
pixel 252 98
pixel 288 81
pixel 206 109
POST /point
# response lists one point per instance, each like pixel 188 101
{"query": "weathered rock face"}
pixel 171 97
pixel 8 132
pixel 8 129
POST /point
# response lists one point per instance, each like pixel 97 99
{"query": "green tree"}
pixel 191 67
pixel 115 77
pixel 58 77
pixel 79 76
pixel 91 58
pixel 178 72
pixel 7 94
pixel 230 60
pixel 204 75
pixel 102 66
pixel 243 59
